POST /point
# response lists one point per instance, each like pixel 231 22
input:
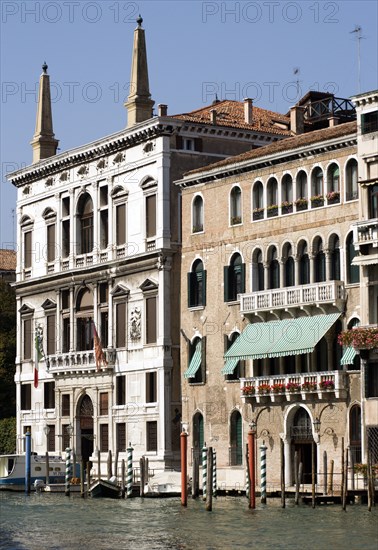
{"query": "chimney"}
pixel 213 116
pixel 333 121
pixel 162 109
pixel 297 120
pixel 248 111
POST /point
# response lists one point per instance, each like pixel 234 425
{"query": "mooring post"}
pixel 209 492
pixel 247 480
pixel 324 472
pixel 82 479
pixel 184 468
pixel 116 464
pixel 27 462
pixel 146 474
pixel 296 477
pixel 47 468
pixel 73 464
pixel 300 476
pixel 214 473
pixel 109 464
pixel 345 490
pixel 251 467
pixel 351 461
pixel 88 475
pixel 282 449
pixel 330 482
pixel 342 471
pixel 263 472
pixel 195 477
pixel 204 471
pixel 68 472
pixel 123 478
pixel 129 478
pixel 99 464
pixel 142 472
pixel 313 473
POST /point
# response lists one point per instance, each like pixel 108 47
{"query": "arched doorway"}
pixel 85 427
pixel 198 436
pixel 301 442
pixel 236 439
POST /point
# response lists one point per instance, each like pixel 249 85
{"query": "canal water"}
pixel 56 522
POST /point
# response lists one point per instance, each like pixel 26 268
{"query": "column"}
pixel 297 267
pixel 328 264
pixel 287 451
pixel 266 275
pixel 72 319
pixel 282 272
pixel 312 268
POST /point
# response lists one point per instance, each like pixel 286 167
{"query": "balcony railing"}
pixel 294 387
pixel 365 232
pixel 78 361
pixel 330 292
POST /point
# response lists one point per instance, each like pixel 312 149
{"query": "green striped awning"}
pixel 230 365
pixel 280 338
pixel 348 356
pixel 195 361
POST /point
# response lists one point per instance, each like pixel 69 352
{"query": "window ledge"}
pixel 197 383
pixel 236 381
pixel 233 303
pixel 196 308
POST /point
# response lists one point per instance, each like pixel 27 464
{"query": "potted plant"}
pixel 278 388
pixel 301 204
pixel 264 389
pixel 197 228
pixel 309 386
pixel 272 210
pixel 286 207
pixel 248 390
pixel 293 387
pixel 235 220
pixel 327 385
pixel 317 201
pixel 333 197
pixel 359 338
pixel 258 213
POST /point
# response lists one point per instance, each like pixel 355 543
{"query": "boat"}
pixel 12 470
pixel 105 488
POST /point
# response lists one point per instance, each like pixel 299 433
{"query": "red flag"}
pixel 98 351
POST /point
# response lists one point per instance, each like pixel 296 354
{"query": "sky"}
pixel 272 51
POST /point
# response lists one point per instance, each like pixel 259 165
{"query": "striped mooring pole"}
pixel 263 472
pixel 129 475
pixel 68 472
pixel 204 471
pixel 214 473
pixel 246 473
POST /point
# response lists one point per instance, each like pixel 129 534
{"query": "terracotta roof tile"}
pixel 8 260
pixel 231 114
pixel 288 144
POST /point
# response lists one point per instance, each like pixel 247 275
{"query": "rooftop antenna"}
pixel 296 72
pixel 357 31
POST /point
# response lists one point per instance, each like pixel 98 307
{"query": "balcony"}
pixel 79 362
pixel 319 294
pixel 294 387
pixel 365 233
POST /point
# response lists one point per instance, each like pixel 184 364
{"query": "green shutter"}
pixel 225 281
pixel 189 277
pixel 204 287
pixel 203 359
pixel 242 279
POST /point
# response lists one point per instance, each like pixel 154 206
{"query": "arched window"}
pixel 85 216
pixel 317 182
pixel 334 246
pixel 353 271
pixel 337 350
pixel 333 178
pixel 235 206
pixel 197 285
pixel 274 268
pixel 197 354
pixel 351 180
pixel 287 194
pixel 373 201
pixel 197 214
pixel 238 371
pixel 272 197
pixel 304 264
pixel 234 278
pixel 355 433
pixel 319 261
pixel 84 320
pixel 198 436
pixel 302 191
pixel 257 271
pixel 288 265
pixel 258 201
pixel 236 439
pixel 356 365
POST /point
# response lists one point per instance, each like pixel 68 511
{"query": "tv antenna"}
pixel 357 31
pixel 296 72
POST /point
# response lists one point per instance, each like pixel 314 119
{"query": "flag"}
pixel 38 353
pixel 98 351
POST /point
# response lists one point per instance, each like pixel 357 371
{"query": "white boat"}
pixel 12 471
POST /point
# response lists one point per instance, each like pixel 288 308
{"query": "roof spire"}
pixel 44 143
pixel 139 103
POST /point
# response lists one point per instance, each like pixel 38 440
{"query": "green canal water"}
pixel 56 522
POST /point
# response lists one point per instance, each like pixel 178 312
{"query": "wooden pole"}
pixel 300 476
pixel 82 479
pixel 195 477
pixel 123 478
pixel 330 483
pixel 47 469
pixel 73 470
pixel 325 472
pixel 99 465
pixel 184 472
pixel 313 473
pixel 142 472
pixel 251 466
pixel 296 477
pixel 282 450
pixel 368 473
pixel 116 464
pixel 342 470
pixel 88 475
pixel 109 464
pixel 146 474
pixel 209 492
pixel 345 489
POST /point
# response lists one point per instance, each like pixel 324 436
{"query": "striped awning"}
pixel 281 338
pixel 348 356
pixel 230 365
pixel 195 361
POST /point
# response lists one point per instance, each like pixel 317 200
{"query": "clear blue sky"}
pixel 195 49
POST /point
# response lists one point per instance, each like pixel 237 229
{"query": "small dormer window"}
pixel 369 122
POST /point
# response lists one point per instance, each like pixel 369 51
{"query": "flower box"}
pixel 359 338
pixel 197 229
pixel 293 387
pixel 286 207
pixel 264 389
pixel 248 390
pixel 309 386
pixel 235 220
pixel 327 385
pixel 301 204
pixel 258 214
pixel 317 201
pixel 272 210
pixel 333 197
pixel 278 388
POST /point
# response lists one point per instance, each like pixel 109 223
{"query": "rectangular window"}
pixel 104 329
pixel 65 299
pixel 66 206
pixel 49 395
pixel 104 406
pixel 66 335
pixel 372 380
pixel 151 387
pixel 66 437
pixel 51 438
pixel 151 320
pixel 104 293
pixel 369 122
pixel 25 397
pixel 104 438
pixel 104 239
pixel 121 325
pixel 121 224
pixel 65 238
pixel 84 333
pixel 152 436
pixel 27 338
pixel 121 390
pixel 151 216
pixel 121 436
pixel 51 334
pixel 65 404
pixel 27 249
pixel 103 195
pixel 51 242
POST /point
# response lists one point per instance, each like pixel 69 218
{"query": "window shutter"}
pixel 204 287
pixel 178 142
pixel 226 270
pixel 242 278
pixel 198 144
pixel 51 243
pixel 190 292
pixel 203 359
pixel 151 216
